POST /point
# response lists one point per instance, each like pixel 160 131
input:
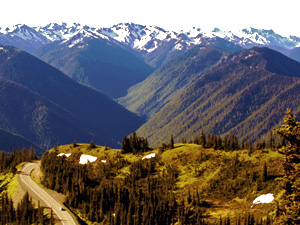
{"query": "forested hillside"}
pixel 245 95
pixel 151 95
pixel 10 141
pixel 209 180
pixel 48 108
pixel 99 63
pixel 179 183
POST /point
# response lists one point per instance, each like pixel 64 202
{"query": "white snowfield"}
pixel 84 159
pixel 152 155
pixel 66 154
pixel 268 198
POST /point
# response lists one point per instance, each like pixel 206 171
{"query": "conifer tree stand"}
pixel 289 207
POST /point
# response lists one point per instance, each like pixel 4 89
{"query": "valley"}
pixel 201 113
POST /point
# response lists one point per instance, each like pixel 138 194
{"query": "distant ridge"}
pixel 154 44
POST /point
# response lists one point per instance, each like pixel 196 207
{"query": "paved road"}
pixel 64 216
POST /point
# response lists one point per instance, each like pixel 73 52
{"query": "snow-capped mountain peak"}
pixel 81 35
pixel 57 32
pixel 141 38
pixel 12 29
pixel 24 32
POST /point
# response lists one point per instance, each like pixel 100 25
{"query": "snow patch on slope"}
pixel 80 36
pixel 64 154
pixel 152 155
pixel 84 159
pixel 268 198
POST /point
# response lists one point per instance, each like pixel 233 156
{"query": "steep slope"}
pixel 10 141
pixel 86 108
pixel 246 95
pixel 149 96
pixel 96 61
pixel 25 113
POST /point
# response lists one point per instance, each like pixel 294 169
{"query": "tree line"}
pixel 137 198
pixel 134 144
pixel 228 142
pixel 145 196
pixel 8 162
pixel 25 213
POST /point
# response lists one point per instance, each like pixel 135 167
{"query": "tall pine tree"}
pixel 289 206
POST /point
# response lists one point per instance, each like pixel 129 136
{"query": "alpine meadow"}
pixel 137 125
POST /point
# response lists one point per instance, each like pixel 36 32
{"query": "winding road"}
pixel 64 216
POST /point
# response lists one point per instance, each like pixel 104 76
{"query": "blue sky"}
pixel 281 16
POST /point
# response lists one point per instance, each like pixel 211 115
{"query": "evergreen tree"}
pixel 125 145
pixel 264 175
pixel 202 139
pixel 289 206
pixel 271 141
pixel 75 144
pixel 250 147
pixel 92 145
pixel 225 142
pixel 172 142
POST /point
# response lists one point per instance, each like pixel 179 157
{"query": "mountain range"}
pixel 152 43
pixel 212 80
pixel 114 59
pixel 48 108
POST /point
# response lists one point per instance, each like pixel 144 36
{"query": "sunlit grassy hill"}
pixel 226 182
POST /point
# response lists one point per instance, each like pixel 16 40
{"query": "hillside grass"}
pixel 9 183
pixel 227 186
